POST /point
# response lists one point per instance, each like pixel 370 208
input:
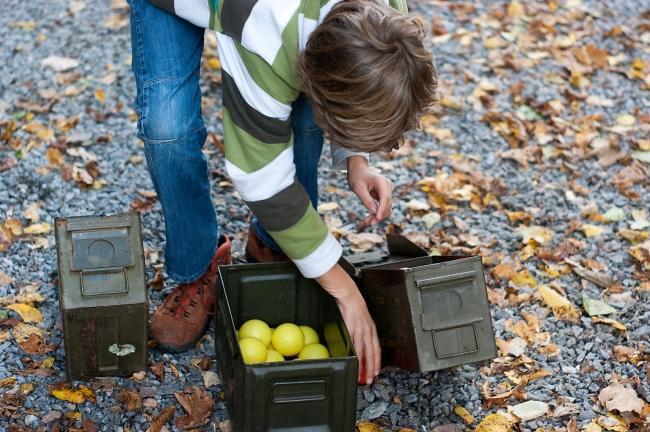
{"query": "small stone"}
pixel 31 420
pixel 51 416
pixel 374 410
pixel 530 410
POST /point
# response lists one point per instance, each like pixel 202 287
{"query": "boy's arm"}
pixel 258 142
pixel 399 5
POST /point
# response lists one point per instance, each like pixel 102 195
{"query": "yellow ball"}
pixel 273 356
pixel 314 351
pixel 257 329
pixel 252 350
pixel 311 337
pixel 288 339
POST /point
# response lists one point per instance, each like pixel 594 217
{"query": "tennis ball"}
pixel 253 350
pixel 311 337
pixel 273 356
pixel 288 339
pixel 257 329
pixel 313 351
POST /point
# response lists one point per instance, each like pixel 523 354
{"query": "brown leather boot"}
pixel 258 252
pixel 183 317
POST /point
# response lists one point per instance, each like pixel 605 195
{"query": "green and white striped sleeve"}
pixel 259 158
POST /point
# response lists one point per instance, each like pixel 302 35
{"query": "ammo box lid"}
pixel 100 260
pixel 399 249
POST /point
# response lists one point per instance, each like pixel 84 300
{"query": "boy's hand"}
pixel 374 190
pixel 357 319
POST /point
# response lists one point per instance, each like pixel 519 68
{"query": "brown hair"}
pixel 368 74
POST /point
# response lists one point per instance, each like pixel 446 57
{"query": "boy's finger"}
pixel 385 202
pixel 367 199
pixel 377 349
pixel 370 362
pixel 366 222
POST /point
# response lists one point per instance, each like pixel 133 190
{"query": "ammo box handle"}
pixel 85 292
pixel 429 319
pixel 299 391
pixel 423 283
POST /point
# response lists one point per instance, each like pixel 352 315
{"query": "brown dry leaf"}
pixel 524 278
pixel 598 278
pixel 642 254
pixel 174 370
pixel 504 271
pixel 609 321
pixel 328 206
pixel 502 399
pixel 39 130
pixel 78 396
pixel 633 236
pixel 363 242
pixel 27 312
pixel 632 355
pixel 8 382
pixel 23 331
pixel 158 370
pixel 35 344
pixel 54 157
pixel 32 212
pixel 591 230
pixel 116 21
pixel 621 398
pixel 132 400
pixel 198 404
pixel 519 216
pixel 161 419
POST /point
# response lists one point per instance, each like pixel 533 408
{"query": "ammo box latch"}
pixel 101 256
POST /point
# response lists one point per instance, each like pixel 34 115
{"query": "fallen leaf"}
pixel 38 228
pixel 416 205
pixel 366 426
pixel 131 400
pixel 210 379
pixel 560 305
pixel 28 313
pixel 601 279
pixel 497 422
pixel 504 271
pixel 23 331
pixel 35 344
pixel 364 241
pixel 78 396
pixel 529 410
pixel 158 370
pixel 642 254
pixel 464 414
pixel 32 212
pixel 625 354
pixel 625 120
pixel 643 156
pixel 596 307
pixel 616 324
pixel 615 214
pixel 59 64
pixel 197 404
pixel 328 206
pixel 621 398
pixel 538 234
pixel 8 382
pixel 161 419
pixel 640 220
pixel 54 157
pixel 430 219
pixel 5 279
pixel 590 230
pixel 515 347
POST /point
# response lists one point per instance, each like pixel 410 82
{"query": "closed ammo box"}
pixel 102 294
pixel 290 396
pixel 431 312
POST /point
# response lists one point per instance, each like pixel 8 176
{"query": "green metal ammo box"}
pixel 102 294
pixel 290 396
pixel 431 312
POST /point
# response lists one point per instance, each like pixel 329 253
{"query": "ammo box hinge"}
pixel 425 282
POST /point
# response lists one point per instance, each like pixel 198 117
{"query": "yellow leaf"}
pixel 78 396
pixel 536 233
pixel 100 95
pixel 27 312
pixel 73 415
pixel 565 41
pixel 39 228
pixel 27 388
pixel 22 331
pixel 327 206
pixel 47 363
pixel 14 226
pixel 214 63
pixel 494 42
pixel 4 335
pixel 366 426
pixel 591 230
pixel 561 306
pixel 497 422
pixel 592 427
pixel 8 382
pixel 616 324
pixel 464 414
pixel 524 278
pixel 613 422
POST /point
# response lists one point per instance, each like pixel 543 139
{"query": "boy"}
pixel 355 70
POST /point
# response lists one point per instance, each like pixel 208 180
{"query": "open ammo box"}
pixel 431 312
pixel 102 294
pixel 290 396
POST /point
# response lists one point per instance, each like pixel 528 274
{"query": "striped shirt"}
pixel 259 42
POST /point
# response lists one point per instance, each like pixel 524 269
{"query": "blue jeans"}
pixel 166 57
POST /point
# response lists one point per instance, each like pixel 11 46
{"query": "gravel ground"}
pixel 480 71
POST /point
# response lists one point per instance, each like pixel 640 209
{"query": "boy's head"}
pixel 368 74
